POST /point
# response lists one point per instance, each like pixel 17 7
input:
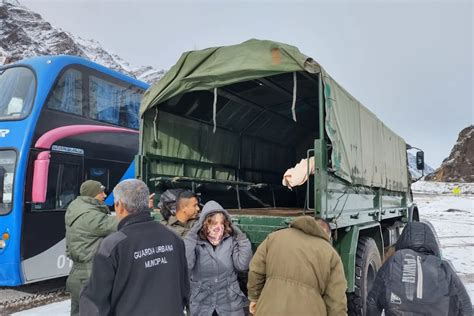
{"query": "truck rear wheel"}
pixel 367 264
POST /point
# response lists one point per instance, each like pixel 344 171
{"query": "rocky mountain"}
pixel 24 34
pixel 459 166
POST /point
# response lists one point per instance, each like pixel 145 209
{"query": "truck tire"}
pixel 367 264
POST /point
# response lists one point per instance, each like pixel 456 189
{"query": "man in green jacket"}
pixel 296 271
pixel 87 223
pixel 187 208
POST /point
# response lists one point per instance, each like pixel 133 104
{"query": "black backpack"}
pixel 417 285
pixel 167 203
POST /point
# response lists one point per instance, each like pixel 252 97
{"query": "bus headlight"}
pixel 3 241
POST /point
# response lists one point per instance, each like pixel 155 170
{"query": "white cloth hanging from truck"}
pixel 299 174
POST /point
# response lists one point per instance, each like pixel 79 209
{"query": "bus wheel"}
pixel 367 264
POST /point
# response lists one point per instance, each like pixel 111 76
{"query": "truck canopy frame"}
pixel 246 96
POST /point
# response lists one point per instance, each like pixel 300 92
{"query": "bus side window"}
pixel 113 103
pixel 104 100
pixel 129 110
pixel 69 188
pixel 96 96
pixel 63 187
pixel 67 94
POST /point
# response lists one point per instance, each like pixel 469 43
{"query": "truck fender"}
pixel 347 247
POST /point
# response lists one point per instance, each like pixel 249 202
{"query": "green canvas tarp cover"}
pixel 365 151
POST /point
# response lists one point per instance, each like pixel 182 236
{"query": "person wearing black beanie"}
pixel 87 223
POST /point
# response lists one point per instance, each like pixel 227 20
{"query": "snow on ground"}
pixel 451 215
pixel 442 187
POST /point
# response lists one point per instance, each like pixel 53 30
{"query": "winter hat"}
pixel 91 188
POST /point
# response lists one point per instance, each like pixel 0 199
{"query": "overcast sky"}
pixel 409 62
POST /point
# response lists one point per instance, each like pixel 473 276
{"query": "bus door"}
pixel 43 232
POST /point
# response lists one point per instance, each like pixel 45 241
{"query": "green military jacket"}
pixel 179 228
pixel 296 271
pixel 87 223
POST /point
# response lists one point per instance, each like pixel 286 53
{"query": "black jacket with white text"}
pixel 139 270
pixel 416 280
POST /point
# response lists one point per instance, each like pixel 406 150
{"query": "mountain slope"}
pixel 459 166
pixel 24 34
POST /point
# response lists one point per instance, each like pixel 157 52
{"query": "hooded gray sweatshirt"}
pixel 213 270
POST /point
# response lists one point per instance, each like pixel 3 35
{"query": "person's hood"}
pixel 81 205
pixel 419 237
pixel 309 226
pixel 209 208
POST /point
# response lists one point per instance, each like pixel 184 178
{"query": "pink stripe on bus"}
pixel 49 138
pixel 40 173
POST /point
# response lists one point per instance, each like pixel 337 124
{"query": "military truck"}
pixel 227 122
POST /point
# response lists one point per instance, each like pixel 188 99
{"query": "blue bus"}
pixel 63 120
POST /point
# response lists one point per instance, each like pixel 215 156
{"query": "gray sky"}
pixel 409 62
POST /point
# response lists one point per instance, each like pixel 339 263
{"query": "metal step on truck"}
pixel 228 122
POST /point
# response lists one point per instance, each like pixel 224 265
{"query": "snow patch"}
pixel 455 230
pixel 429 187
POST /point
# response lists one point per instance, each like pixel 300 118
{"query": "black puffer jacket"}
pixel 139 270
pixel 416 281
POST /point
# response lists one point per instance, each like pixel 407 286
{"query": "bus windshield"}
pixel 17 89
pixel 7 169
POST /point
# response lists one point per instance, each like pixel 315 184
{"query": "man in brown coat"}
pixel 296 271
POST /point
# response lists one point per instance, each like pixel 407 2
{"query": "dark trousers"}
pixel 77 279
